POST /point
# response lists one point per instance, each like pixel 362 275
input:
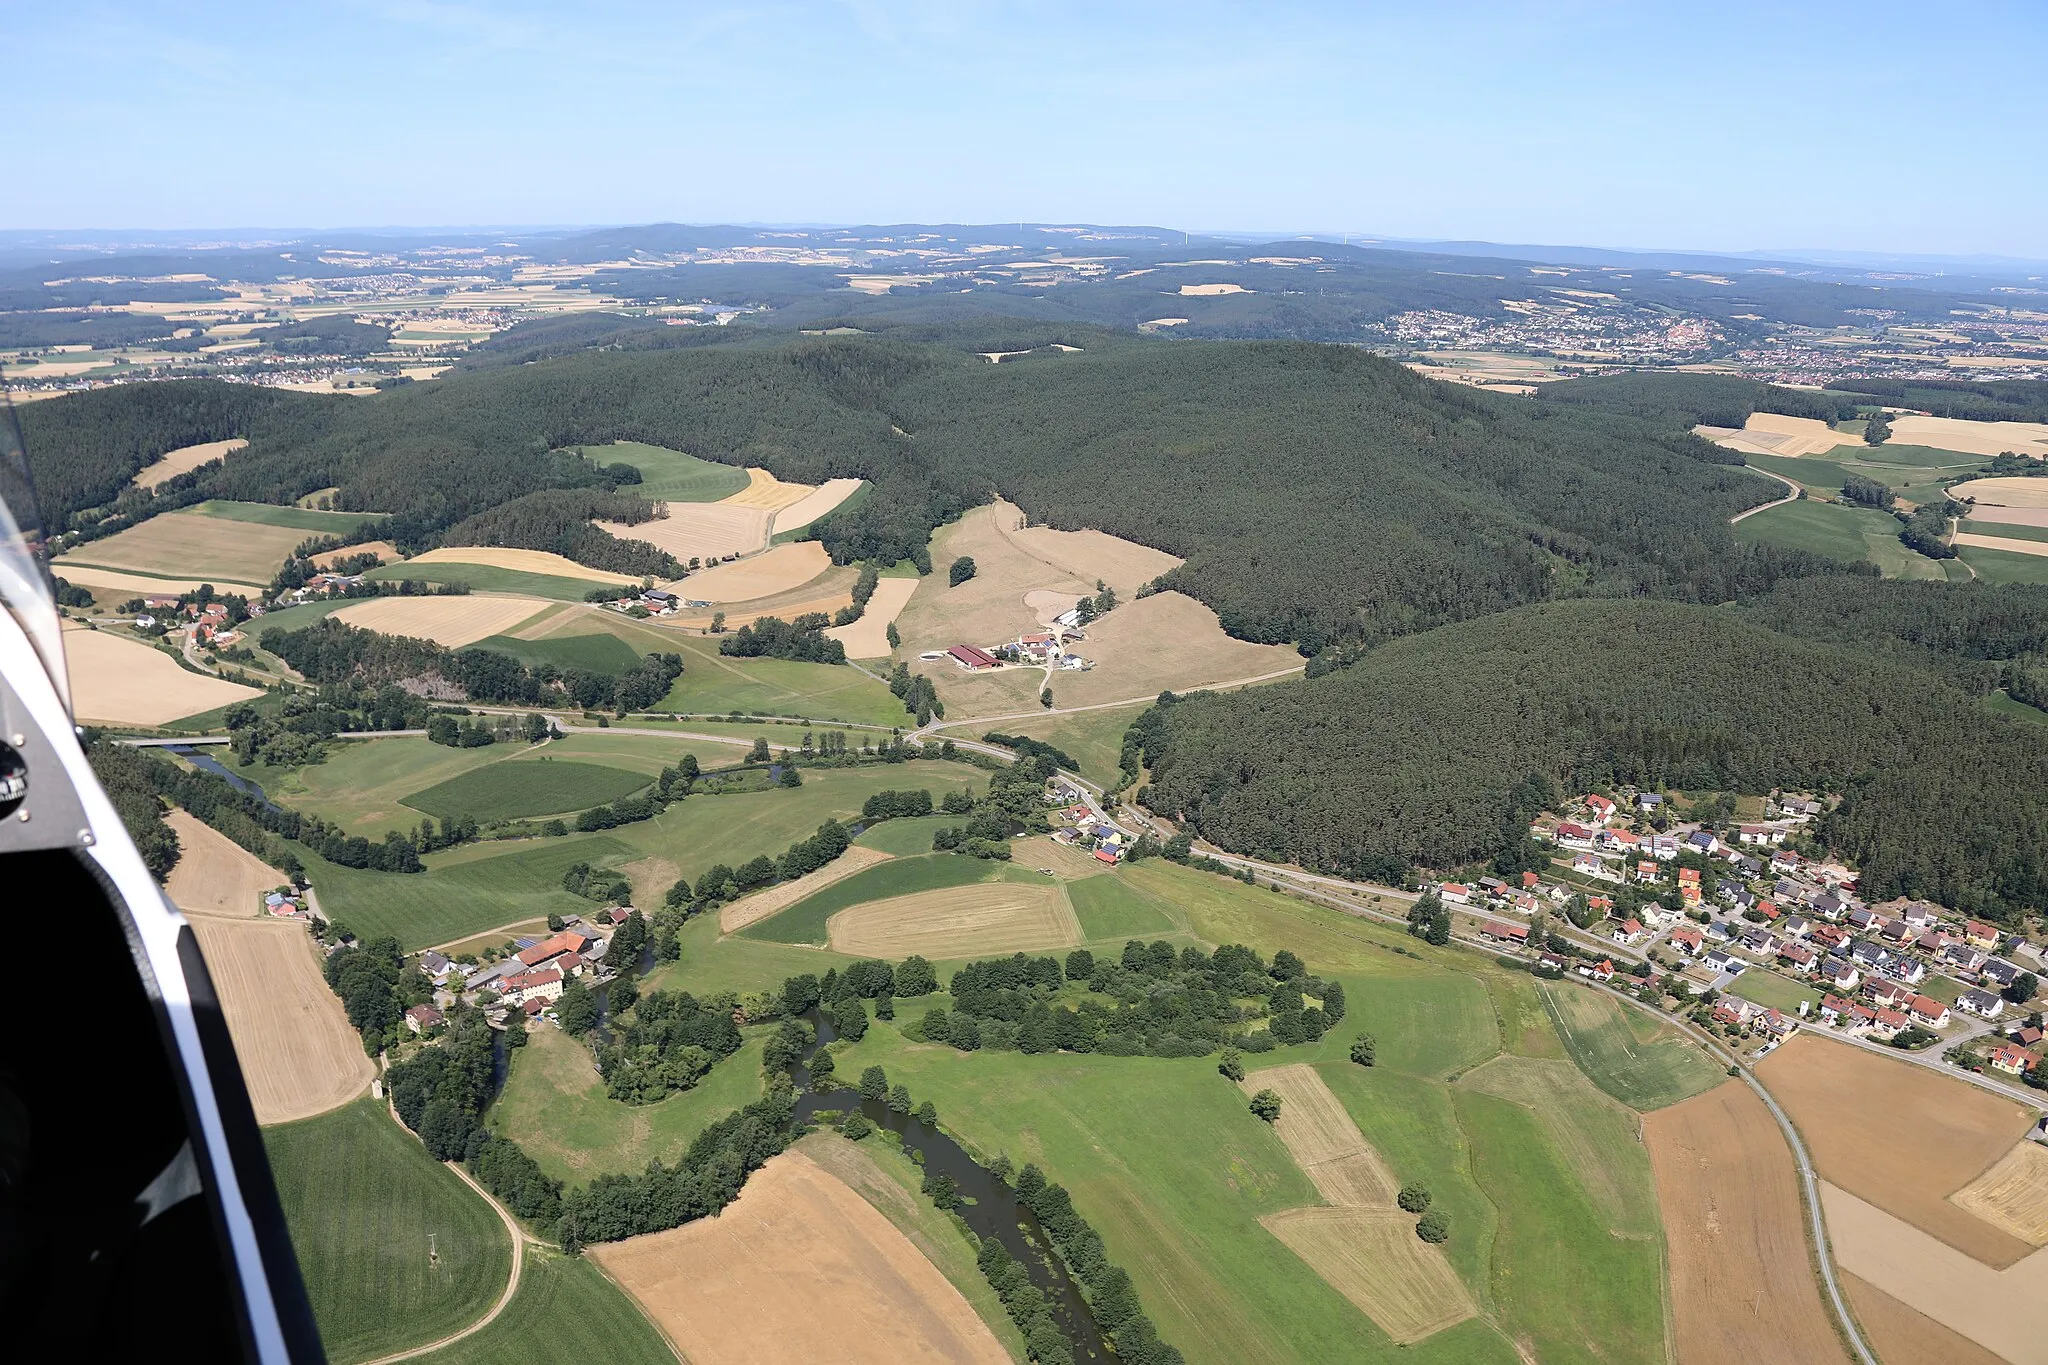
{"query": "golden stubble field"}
pixel 1361 1242
pixel 868 638
pixel 448 621
pixel 800 1250
pixel 126 682
pixel 958 921
pixel 778 571
pixel 825 498
pixel 184 460
pixel 525 561
pixel 189 544
pixel 1742 1285
pixel 759 906
pixel 1900 1136
pixel 699 530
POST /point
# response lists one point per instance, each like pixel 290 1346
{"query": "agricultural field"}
pixel 827 497
pixel 383 549
pixel 700 530
pixel 807 920
pixel 449 621
pixel 1595 1134
pixel 760 905
pixel 565 1309
pixel 554 1105
pixel 215 875
pixel 1644 1063
pixel 2013 1195
pixel 906 837
pixel 1094 739
pixel 1970 438
pixel 779 570
pixel 1901 1333
pixel 1167 640
pixel 670 475
pixel 119 680
pixel 1109 909
pixel 362 1199
pixel 298 1055
pixel 530 573
pixel 1736 1233
pixel 1841 1096
pixel 184 460
pixel 230 553
pixel 868 638
pixel 541 786
pixel 1839 531
pixel 963 921
pixel 305 519
pixel 801 1249
pixel 479 886
pixel 605 653
pixel 713 684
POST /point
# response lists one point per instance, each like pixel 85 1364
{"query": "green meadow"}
pixel 669 475
pixel 491 578
pixel 565 1309
pixel 713 684
pixel 545 786
pixel 804 922
pixel 362 1199
pixel 293 518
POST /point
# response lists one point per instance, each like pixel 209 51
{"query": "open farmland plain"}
pixel 2013 1195
pixel 362 1198
pixel 1736 1233
pixel 802 1250
pixel 450 621
pixel 1640 1061
pixel 227 552
pixel 699 530
pixel 120 680
pixel 1938 1135
pixel 542 786
pixel 1901 1333
pixel 761 904
pixel 566 1309
pixel 820 501
pixel 779 570
pixel 299 1056
pixel 805 921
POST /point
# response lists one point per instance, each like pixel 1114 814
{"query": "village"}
pixel 1763 940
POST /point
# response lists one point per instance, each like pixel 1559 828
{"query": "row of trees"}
pixel 803 640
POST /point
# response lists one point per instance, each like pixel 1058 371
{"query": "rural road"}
pixel 2033 1099
pixel 1792 497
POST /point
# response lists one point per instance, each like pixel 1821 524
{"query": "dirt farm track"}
pixel 799 1249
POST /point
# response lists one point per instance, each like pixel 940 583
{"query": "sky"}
pixel 1875 127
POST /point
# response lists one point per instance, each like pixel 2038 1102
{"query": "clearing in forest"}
pixel 961 921
pixel 383 549
pixel 1362 1243
pixel 1899 1135
pixel 2013 1195
pixel 1735 1233
pixel 800 1250
pixel 449 621
pixel 779 570
pixel 215 875
pixel 814 504
pixel 184 460
pixel 699 530
pixel 121 680
pixel 759 906
pixel 299 1056
pixel 868 638
pixel 2004 1311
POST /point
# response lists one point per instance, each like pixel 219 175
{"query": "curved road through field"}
pixel 1792 497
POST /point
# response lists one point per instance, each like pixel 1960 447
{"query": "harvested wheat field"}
pixel 799 1249
pixel 699 530
pixel 1781 435
pixel 1906 1334
pixel 1742 1287
pixel 765 491
pixel 524 561
pixel 125 682
pixel 215 875
pixel 2013 1195
pixel 112 585
pixel 1203 291
pixel 2003 492
pixel 449 621
pixel 191 544
pixel 1165 640
pixel 959 921
pixel 2006 543
pixel 2004 1311
pixel 1043 852
pixel 1970 438
pixel 299 1056
pixel 759 906
pixel 779 570
pixel 814 504
pixel 383 549
pixel 184 460
pixel 1899 1135
pixel 1362 1245
pixel 1988 517
pixel 868 638
pixel 1375 1260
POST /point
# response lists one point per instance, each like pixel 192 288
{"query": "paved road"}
pixel 1794 497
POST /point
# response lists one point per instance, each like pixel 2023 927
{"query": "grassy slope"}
pixel 600 653
pixel 713 684
pixel 555 1107
pixel 476 887
pixel 305 519
pixel 1094 739
pixel 670 475
pixel 491 578
pixel 505 791
pixel 565 1310
pixel 1641 1062
pixel 1110 909
pixel 2004 566
pixel 906 838
pixel 361 1196
pixel 1840 532
pixel 804 922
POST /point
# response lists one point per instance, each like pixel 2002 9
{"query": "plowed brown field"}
pixel 1742 1287
pixel 801 1252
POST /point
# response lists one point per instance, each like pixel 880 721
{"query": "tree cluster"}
pixel 803 640
pixel 667 1042
pixel 376 988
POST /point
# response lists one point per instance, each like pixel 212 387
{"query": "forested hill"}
pixel 1318 493
pixel 1425 750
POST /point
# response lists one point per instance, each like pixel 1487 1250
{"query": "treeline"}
pixel 1415 754
pixel 331 652
pixel 720 883
pixel 1997 400
pixel 803 640
pixel 558 520
pixel 1034 748
pixel 1684 401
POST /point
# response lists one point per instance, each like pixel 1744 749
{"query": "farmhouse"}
pixel 972 659
pixel 1455 893
pixel 549 949
pixel 524 986
pixel 1503 932
pixel 420 1018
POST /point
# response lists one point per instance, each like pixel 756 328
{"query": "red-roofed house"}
pixel 1978 934
pixel 568 941
pixel 1602 808
pixel 1686 938
pixel 1929 1011
pixel 1603 970
pixel 1574 836
pixel 1530 881
pixel 1648 870
pixel 1833 1007
pixel 1889 1022
pixel 1455 893
pixel 420 1018
pixel 2013 1061
pixel 1628 931
pixel 1504 931
pixel 545 984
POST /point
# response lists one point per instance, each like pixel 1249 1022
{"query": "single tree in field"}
pixel 718 623
pixel 790 777
pixel 928 1114
pixel 962 570
pixel 1232 1064
pixel 1433 1227
pixel 1362 1049
pixel 1878 429
pixel 1045 698
pixel 1414 1198
pixel 895 640
pixel 759 753
pixel 874 1083
pixel 1266 1104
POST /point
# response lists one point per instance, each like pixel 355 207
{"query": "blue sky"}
pixel 1727 126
